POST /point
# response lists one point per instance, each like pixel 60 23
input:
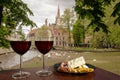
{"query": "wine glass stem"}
pixel 43 62
pixel 20 64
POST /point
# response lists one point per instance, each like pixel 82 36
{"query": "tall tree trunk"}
pixel 1 10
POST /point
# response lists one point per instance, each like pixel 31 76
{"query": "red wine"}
pixel 44 46
pixel 20 47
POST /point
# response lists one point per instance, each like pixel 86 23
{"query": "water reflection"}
pixel 12 59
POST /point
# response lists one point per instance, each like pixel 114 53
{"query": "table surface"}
pixel 98 74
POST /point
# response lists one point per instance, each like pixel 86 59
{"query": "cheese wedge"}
pixel 76 62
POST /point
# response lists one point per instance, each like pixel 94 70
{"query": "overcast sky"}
pixel 43 9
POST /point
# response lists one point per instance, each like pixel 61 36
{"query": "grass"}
pixel 109 61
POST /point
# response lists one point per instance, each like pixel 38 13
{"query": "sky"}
pixel 43 9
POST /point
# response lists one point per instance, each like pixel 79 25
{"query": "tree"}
pixel 97 12
pixel 42 32
pixel 67 20
pixel 77 32
pixel 94 11
pixel 114 36
pixel 13 13
pixel 116 13
pixel 100 40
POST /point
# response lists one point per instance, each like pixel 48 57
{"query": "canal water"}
pixel 11 59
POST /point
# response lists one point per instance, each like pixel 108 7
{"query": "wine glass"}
pixel 20 43
pixel 44 43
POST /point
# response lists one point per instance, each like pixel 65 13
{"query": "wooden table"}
pixel 98 74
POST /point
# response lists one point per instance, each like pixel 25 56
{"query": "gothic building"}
pixel 59 33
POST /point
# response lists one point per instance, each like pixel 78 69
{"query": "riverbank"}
pixel 87 49
pixel 107 60
pixel 4 51
pixel 8 60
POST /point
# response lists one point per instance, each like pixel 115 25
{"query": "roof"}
pixel 32 31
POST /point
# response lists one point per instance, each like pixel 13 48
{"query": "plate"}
pixel 58 64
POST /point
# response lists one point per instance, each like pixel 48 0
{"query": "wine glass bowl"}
pixel 44 45
pixel 20 45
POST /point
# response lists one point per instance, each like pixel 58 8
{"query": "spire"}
pixel 58 16
pixel 58 13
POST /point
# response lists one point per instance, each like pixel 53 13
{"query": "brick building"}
pixel 59 33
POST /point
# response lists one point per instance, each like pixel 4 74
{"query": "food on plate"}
pixel 63 67
pixel 76 62
pixel 77 65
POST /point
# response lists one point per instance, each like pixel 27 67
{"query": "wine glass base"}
pixel 20 75
pixel 43 73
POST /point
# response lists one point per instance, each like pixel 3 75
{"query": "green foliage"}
pixel 103 15
pixel 4 42
pixel 77 32
pixel 115 36
pixel 13 13
pixel 16 12
pixel 42 32
pixel 67 20
pixel 100 40
pixel 94 11
pixel 116 13
pixel 111 40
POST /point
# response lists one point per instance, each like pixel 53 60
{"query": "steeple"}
pixel 58 17
pixel 58 12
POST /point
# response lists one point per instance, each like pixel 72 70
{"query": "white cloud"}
pixel 43 9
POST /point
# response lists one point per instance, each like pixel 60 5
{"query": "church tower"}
pixel 58 22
